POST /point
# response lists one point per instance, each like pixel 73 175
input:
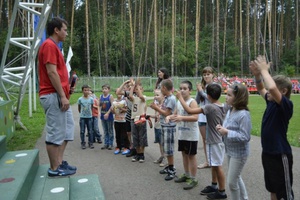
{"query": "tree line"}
pixel 137 37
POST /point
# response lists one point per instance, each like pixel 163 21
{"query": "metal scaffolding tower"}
pixel 16 74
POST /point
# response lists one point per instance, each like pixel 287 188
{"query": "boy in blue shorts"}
pixel 168 128
pixel 277 157
pixel 215 113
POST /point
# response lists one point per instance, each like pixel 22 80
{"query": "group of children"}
pixel 228 130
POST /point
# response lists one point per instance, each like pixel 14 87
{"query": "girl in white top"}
pixel 201 98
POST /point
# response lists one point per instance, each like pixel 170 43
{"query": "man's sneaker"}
pixel 164 171
pixel 159 160
pixel 181 179
pixel 141 159
pixel 104 147
pixel 125 151
pixel 117 151
pixel 190 184
pixel 60 172
pixel 135 158
pixel 83 145
pixel 217 195
pixel 171 174
pixel 208 190
pixel 91 145
pixel 65 165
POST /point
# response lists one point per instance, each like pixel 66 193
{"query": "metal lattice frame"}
pixel 14 78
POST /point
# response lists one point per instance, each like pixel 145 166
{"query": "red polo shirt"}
pixel 50 53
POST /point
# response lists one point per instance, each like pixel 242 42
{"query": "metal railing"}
pixel 148 82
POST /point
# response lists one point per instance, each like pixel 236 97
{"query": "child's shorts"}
pixel 168 139
pixel 139 134
pixel 157 132
pixel 278 174
pixel 128 126
pixel 188 147
pixel 215 154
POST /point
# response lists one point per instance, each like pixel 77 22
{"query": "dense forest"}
pixel 137 37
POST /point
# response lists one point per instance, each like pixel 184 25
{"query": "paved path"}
pixel 122 179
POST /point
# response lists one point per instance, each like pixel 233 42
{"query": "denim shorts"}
pixel 59 125
pixel 157 132
pixel 201 124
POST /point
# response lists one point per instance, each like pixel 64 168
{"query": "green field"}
pixel 35 124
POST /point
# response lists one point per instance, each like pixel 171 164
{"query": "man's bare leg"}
pixel 53 154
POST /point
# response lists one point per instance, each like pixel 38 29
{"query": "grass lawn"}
pixel 35 124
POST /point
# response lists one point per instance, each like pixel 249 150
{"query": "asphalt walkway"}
pixel 122 179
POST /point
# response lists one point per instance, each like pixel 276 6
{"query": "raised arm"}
pixel 120 90
pixel 256 71
pixel 200 93
pixel 268 80
pixel 188 109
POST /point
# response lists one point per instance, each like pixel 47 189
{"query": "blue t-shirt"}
pixel 169 103
pixel 85 107
pixel 275 125
pixel 105 106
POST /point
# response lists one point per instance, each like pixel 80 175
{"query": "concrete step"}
pixel 17 172
pixel 86 187
pixel 2 145
pixel 49 188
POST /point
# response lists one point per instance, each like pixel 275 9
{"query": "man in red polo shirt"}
pixel 54 97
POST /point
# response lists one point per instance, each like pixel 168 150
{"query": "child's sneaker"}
pixel 91 145
pixel 171 174
pixel 141 159
pixel 109 147
pixel 164 171
pixel 190 184
pixel 163 163
pixel 181 179
pixel 208 190
pixel 99 141
pixel 135 158
pixel 117 151
pixel 159 160
pixel 217 195
pixel 125 151
pixel 104 147
pixel 83 145
pixel 131 153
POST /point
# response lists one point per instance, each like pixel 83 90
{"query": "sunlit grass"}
pixel 27 139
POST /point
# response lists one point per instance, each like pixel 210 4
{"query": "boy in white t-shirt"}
pixel 215 113
pixel 188 136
